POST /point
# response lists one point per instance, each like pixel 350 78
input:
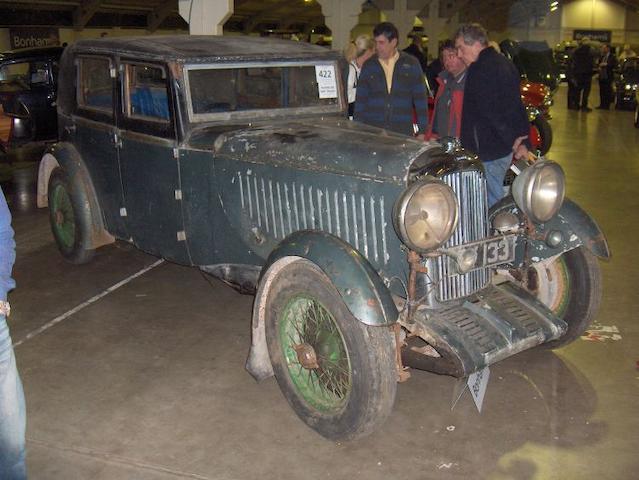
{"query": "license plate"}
pixel 482 254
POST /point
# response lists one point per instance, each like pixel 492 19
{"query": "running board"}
pixel 492 325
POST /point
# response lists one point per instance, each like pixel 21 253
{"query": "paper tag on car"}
pixel 477 383
pixel 326 81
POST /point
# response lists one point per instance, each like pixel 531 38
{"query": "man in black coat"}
pixel 582 64
pixel 494 123
pixel 415 49
pixel 607 64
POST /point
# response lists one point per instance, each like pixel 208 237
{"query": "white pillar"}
pixel 341 16
pixel 403 17
pixel 206 17
pixel 434 27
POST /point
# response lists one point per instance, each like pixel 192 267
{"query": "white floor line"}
pixel 91 300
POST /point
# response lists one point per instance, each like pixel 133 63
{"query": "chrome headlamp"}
pixel 425 215
pixel 539 190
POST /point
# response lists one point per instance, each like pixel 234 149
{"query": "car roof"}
pixel 204 48
pixel 28 53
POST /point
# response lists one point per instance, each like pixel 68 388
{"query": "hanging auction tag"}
pixel 326 81
pixel 477 383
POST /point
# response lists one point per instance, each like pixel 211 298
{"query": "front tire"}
pixel 70 218
pixel 338 375
pixel 570 285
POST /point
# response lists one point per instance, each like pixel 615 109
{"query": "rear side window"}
pixel 146 93
pixel 95 86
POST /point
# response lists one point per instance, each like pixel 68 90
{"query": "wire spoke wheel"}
pixel 63 219
pixel 338 374
pixel 315 353
pixel 70 216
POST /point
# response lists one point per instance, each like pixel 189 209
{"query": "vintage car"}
pixel 627 84
pixel 28 80
pixel 367 251
pixel 534 60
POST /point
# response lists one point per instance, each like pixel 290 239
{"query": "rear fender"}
pixel 64 155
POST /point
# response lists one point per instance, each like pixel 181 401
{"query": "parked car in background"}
pixel 627 84
pixel 561 54
pixel 367 250
pixel 28 79
pixel 534 60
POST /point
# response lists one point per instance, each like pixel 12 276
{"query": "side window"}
pixel 95 86
pixel 39 74
pixel 145 93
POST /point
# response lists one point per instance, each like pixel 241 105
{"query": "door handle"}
pixel 69 129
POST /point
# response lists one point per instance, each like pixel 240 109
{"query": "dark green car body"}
pixel 188 172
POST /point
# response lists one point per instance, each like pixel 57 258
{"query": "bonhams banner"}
pixel 33 37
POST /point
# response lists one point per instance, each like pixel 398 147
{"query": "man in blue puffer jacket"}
pixel 391 87
pixel 494 123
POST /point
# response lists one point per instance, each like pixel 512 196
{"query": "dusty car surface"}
pixel 28 82
pixel 367 251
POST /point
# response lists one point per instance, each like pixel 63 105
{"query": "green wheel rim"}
pixel 560 309
pixel 63 219
pixel 315 354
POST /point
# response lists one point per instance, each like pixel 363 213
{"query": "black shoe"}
pixel 586 109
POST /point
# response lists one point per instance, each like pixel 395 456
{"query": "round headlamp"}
pixel 539 190
pixel 425 215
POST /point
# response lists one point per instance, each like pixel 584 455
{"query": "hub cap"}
pixel 63 221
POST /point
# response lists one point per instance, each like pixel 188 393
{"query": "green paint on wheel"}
pixel 315 354
pixel 63 218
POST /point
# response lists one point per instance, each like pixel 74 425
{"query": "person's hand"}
pixel 522 153
pixel 518 141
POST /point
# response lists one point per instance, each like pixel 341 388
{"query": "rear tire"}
pixel 338 375
pixel 70 218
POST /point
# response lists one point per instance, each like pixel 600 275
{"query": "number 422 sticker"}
pixel 326 81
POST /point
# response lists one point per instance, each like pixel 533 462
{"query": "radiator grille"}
pixel 470 189
pixel 281 208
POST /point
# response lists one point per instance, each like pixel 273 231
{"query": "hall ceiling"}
pixel 249 15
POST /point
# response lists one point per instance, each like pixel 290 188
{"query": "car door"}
pixel 92 131
pixel 148 158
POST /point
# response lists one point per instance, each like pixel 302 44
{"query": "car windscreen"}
pixel 26 74
pixel 278 88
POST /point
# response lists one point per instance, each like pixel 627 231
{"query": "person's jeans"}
pixel 495 172
pixel 12 411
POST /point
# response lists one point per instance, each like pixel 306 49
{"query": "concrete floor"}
pixel 148 382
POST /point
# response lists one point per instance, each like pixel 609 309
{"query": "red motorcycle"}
pixel 537 99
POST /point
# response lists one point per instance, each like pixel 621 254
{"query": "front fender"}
pixel 576 226
pixel 359 285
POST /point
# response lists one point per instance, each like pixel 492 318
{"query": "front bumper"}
pixel 489 326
